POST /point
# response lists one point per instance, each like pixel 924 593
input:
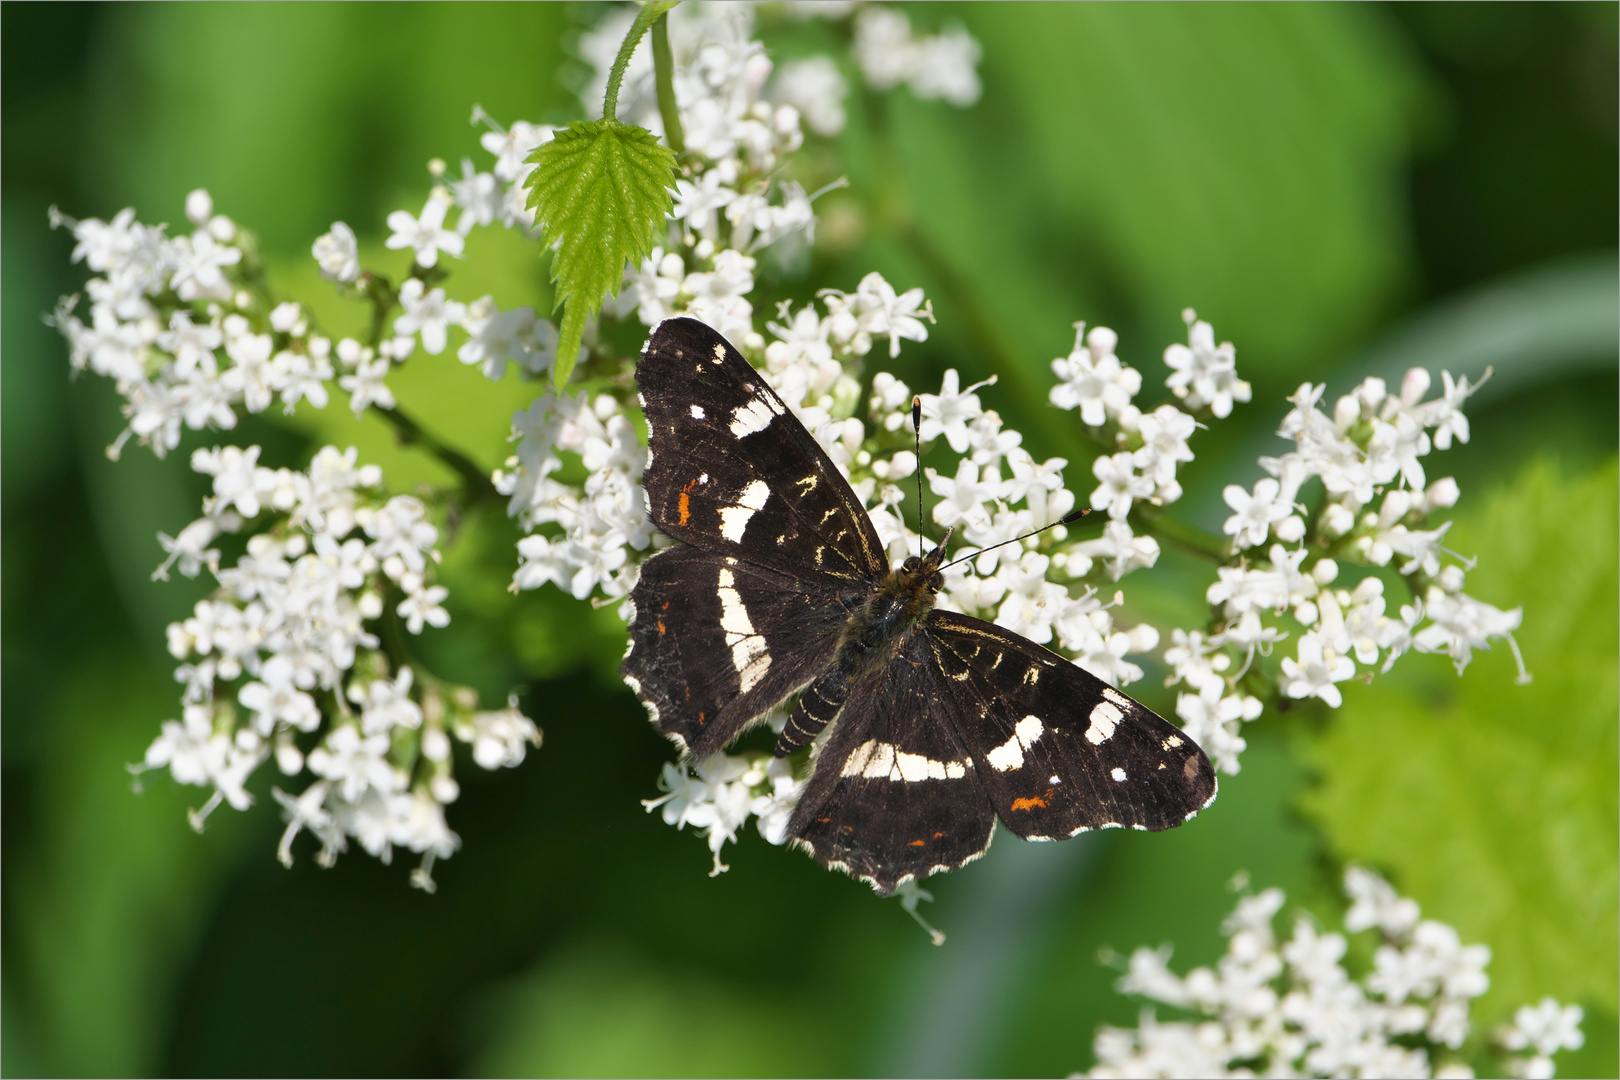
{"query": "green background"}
pixel 1340 190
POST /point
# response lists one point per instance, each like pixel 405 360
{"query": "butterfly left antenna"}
pixel 916 427
pixel 1067 519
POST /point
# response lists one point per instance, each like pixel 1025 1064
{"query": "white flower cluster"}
pixel 286 647
pixel 717 795
pixel 176 329
pixel 945 66
pixel 1290 1008
pixel 728 207
pixel 189 337
pixel 1373 510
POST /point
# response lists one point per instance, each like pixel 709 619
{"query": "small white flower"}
pixel 817 89
pixel 500 738
pixel 479 196
pixel 1093 380
pixel 949 412
pixel 427 313
pixel 1255 514
pixel 425 235
pixel 1316 670
pixel 366 386
pixel 356 764
pixel 423 608
pixel 1203 373
pixel 1119 486
pixel 338 253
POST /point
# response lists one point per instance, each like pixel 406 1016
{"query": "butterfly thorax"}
pixel 893 609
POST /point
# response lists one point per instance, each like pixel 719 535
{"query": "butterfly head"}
pixel 922 575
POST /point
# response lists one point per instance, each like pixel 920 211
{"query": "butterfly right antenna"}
pixel 916 426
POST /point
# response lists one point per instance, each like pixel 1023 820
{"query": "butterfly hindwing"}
pixel 716 642
pixel 1058 750
pixel 732 470
pixel 894 795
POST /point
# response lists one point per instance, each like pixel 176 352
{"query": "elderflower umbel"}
pixel 289 637
pixel 1290 1008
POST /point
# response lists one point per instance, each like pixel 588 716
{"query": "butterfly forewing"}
pixel 1058 750
pixel 732 470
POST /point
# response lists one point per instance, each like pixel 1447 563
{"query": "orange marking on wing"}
pixel 685 506
pixel 1028 804
pixel 915 843
pixel 938 835
pixel 660 626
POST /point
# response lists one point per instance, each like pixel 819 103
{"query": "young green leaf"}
pixel 601 195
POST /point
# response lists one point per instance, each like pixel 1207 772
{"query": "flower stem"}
pixel 474 481
pixel 650 12
pixel 1189 538
pixel 664 72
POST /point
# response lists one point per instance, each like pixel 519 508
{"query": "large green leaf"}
pixel 1493 804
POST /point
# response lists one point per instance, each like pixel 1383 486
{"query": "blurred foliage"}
pixel 1494 803
pixel 1306 176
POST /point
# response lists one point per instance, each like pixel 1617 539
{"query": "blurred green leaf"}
pixel 1495 805
pixel 600 197
pixel 1242 159
pixel 597 1011
pixel 111 900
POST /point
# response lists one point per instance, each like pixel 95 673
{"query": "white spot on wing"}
pixel 1010 754
pixel 754 416
pixel 1118 775
pixel 873 760
pixel 1116 697
pixel 734 519
pixel 1104 719
pixel 697 412
pixel 1172 742
pixel 748 653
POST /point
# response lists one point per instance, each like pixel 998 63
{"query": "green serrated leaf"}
pixel 1494 805
pixel 601 196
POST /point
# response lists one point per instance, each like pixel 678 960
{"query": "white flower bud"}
pixel 1451 579
pixel 1414 386
pixel 1372 393
pixel 371 605
pixel 1144 638
pixel 1346 411
pixel 1441 494
pixel 1338 519
pixel 1291 530
pixel 199 207
pixel 445 789
pixel 435 745
pixel 285 317
pixel 1325 571
pixel 289 759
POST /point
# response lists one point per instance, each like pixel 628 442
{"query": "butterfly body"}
pixel 928 725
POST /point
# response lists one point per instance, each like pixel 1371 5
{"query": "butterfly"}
pixel 930 725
